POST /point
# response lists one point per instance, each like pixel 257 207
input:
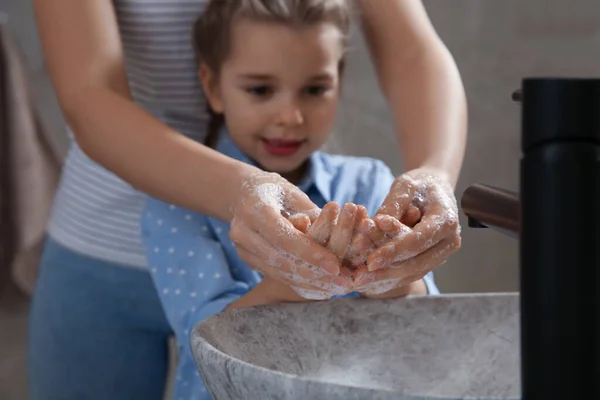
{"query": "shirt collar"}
pixel 318 175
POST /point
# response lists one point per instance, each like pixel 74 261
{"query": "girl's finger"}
pixel 320 231
pixel 300 222
pixel 360 248
pixel 343 231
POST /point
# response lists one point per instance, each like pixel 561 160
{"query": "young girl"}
pixel 271 72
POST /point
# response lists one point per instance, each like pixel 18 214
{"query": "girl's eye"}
pixel 260 91
pixel 316 90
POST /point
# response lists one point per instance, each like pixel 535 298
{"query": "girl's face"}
pixel 278 91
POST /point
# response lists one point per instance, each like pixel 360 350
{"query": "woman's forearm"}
pixel 84 55
pixel 429 106
pixel 152 157
pixel 422 83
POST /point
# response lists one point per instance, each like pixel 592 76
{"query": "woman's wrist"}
pixel 431 169
pixel 230 179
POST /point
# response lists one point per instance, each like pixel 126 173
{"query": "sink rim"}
pixel 198 341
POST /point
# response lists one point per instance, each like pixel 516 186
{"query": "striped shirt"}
pixel 95 212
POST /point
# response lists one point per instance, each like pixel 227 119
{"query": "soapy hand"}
pixel 264 233
pixel 412 253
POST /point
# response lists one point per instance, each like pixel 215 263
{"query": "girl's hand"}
pixel 263 231
pixel 352 236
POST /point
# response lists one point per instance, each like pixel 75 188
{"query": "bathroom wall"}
pixel 495 43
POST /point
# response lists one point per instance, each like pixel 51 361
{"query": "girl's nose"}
pixel 291 115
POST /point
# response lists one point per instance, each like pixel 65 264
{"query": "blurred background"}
pixel 495 43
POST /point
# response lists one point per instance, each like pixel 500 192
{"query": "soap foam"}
pixel 380 287
pixel 311 294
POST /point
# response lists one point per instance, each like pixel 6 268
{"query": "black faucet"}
pixel 556 218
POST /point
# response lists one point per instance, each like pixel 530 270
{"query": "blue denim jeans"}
pixel 97 331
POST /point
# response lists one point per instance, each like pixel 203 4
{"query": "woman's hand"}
pixel 412 253
pixel 263 230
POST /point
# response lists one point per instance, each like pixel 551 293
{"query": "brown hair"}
pixel 213 28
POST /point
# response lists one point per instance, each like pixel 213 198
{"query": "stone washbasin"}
pixel 448 347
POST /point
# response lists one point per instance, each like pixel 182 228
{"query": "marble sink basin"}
pixel 447 347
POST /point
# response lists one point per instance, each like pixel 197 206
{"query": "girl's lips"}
pixel 282 147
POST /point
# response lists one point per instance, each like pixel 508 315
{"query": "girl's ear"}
pixel 210 84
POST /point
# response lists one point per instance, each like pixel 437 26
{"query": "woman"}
pixel 125 76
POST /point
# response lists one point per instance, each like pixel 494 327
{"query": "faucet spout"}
pixel 490 207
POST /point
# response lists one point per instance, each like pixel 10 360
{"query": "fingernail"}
pixel 349 208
